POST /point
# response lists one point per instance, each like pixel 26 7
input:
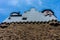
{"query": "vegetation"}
pixel 30 31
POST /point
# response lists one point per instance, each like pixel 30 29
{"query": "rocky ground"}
pixel 18 31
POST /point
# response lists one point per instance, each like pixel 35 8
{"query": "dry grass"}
pixel 30 32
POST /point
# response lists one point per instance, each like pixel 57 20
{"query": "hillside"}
pixel 30 31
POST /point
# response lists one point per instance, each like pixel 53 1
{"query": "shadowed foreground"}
pixel 31 31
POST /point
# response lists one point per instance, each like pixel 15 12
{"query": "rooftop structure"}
pixel 31 16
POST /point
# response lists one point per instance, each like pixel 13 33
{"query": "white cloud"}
pixel 13 2
pixel 33 2
pixel 40 2
pixel 3 10
pixel 29 2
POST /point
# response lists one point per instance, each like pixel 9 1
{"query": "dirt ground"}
pixel 18 31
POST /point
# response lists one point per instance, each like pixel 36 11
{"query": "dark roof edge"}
pixel 48 10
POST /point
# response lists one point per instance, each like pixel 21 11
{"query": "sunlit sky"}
pixel 8 6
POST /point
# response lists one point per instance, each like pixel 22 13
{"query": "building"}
pixel 31 16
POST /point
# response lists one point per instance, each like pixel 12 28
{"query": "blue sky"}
pixel 8 6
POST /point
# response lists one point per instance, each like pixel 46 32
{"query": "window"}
pixel 9 18
pixel 24 18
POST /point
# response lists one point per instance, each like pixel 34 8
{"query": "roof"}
pixel 32 15
pixel 15 14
